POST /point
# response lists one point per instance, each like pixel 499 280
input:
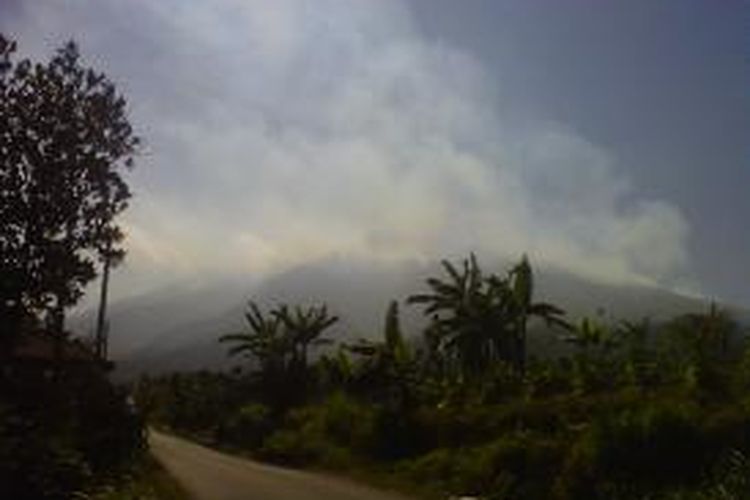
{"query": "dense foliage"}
pixel 64 142
pixel 637 410
pixel 65 433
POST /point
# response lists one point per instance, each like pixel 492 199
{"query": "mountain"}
pixel 136 322
pixel 177 327
pixel 358 293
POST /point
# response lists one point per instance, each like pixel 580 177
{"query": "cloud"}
pixel 280 132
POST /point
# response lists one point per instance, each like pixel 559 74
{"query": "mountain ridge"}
pixel 177 327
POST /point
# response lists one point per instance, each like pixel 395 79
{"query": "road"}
pixel 209 475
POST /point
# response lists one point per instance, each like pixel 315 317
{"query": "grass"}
pixel 147 481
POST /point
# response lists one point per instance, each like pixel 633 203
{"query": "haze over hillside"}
pixel 176 327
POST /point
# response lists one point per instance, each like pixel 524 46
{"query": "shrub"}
pixel 637 452
pixel 348 423
pixel 247 427
pixel 519 465
pixel 59 435
pixel 326 434
pixel 298 448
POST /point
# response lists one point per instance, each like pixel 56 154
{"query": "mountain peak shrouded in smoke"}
pixel 176 327
pixel 283 132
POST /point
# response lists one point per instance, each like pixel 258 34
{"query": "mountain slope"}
pixel 177 328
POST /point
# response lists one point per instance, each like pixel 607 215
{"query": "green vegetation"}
pixel 64 433
pixel 637 410
pixel 64 143
pixel 147 480
pixel 65 430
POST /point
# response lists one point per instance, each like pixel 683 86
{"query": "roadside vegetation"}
pixel 632 410
pixel 65 430
pixel 146 480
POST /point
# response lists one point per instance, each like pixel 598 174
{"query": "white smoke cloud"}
pixel 288 130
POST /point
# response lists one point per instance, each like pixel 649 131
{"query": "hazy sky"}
pixel 609 138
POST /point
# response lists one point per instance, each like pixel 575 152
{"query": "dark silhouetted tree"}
pixel 64 142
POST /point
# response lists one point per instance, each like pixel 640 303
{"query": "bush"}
pixel 348 423
pixel 59 435
pixel 637 452
pixel 298 448
pixel 519 465
pixel 247 427
pixel 397 435
pixel 326 434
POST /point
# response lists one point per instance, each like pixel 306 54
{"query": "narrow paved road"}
pixel 209 475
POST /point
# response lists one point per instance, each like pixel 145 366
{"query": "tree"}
pixel 394 338
pixel 304 328
pixel 482 319
pixel 638 359
pixel 383 361
pixel 279 341
pixel 386 369
pixel 264 341
pixel 65 141
pixel 592 364
pixel 466 314
pixel 521 284
pixel 700 346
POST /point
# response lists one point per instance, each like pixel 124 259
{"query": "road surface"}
pixel 209 475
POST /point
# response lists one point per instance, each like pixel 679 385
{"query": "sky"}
pixel 607 138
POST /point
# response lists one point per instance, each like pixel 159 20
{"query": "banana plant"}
pixel 264 341
pixel 387 366
pixel 483 319
pixel 303 328
pixel 461 312
pixel 521 284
